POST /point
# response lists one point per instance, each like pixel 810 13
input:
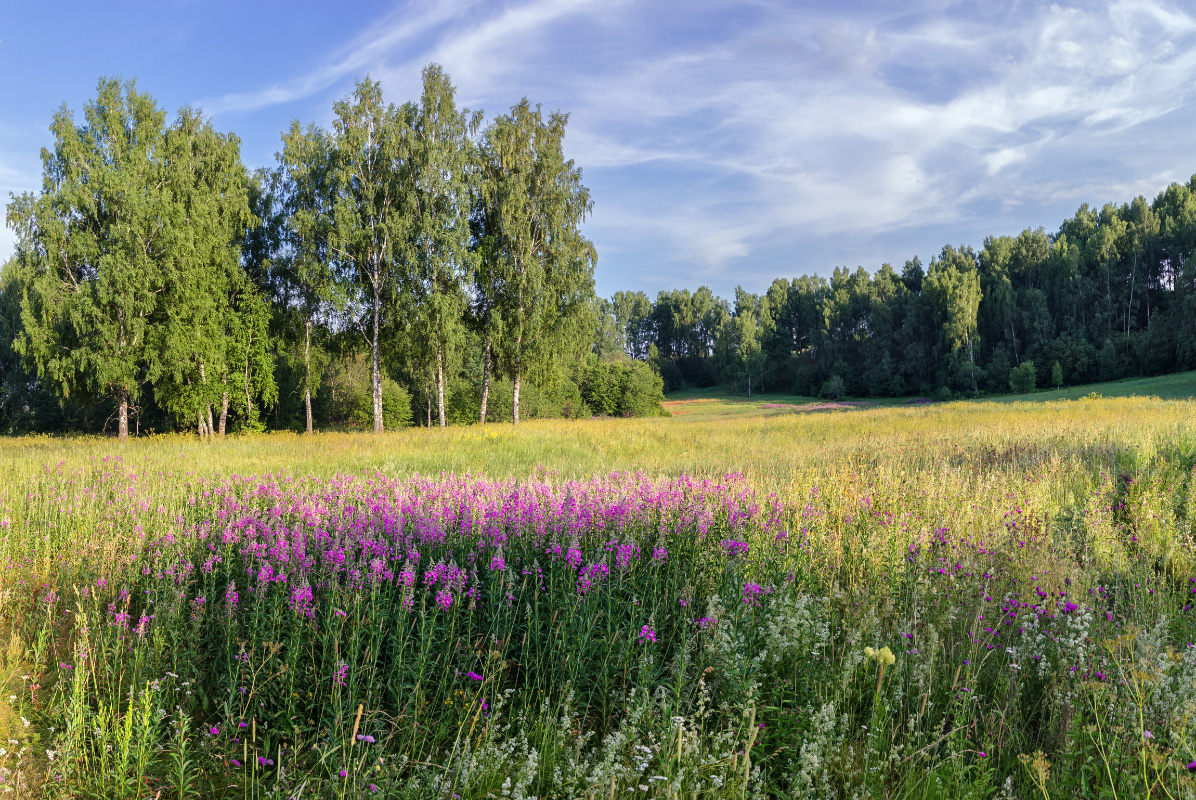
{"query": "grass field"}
pixel 748 598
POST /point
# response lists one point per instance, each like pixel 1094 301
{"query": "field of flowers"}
pixel 960 601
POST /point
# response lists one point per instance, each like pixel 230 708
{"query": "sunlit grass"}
pixel 912 527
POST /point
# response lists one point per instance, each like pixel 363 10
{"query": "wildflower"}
pixel 1192 767
pixel 214 731
pixel 882 656
pixel 373 788
pixel 647 635
pixel 752 593
pixel 302 601
pixel 497 563
pixel 235 762
pixel 265 762
pixel 341 671
pixel 344 774
pixel 473 676
pixel 365 737
pixel 444 599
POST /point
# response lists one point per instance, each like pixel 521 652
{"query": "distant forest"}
pixel 412 266
pixel 1111 294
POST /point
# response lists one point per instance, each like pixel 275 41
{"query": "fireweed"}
pixel 432 637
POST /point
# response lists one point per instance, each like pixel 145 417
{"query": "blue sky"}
pixel 724 143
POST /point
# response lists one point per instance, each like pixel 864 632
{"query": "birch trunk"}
pixel 223 414
pixel 440 384
pixel 307 374
pixel 518 380
pixel 485 378
pixel 122 423
pixel 377 374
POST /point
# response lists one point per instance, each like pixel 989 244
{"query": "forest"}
pixel 413 264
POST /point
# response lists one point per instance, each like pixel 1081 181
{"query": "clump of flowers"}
pixel 884 656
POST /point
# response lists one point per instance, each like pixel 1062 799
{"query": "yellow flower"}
pixel 882 656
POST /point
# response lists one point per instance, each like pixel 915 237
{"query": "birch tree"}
pixel 305 182
pixel 438 250
pixel 124 246
pixel 368 155
pixel 543 266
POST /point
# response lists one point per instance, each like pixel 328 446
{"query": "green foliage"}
pixel 1023 377
pixel 833 388
pixel 622 389
pixel 1057 375
pixel 541 268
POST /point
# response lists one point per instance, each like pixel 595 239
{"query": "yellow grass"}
pixel 770 446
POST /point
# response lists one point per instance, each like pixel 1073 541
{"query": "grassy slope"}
pixel 1179 386
pixel 719 401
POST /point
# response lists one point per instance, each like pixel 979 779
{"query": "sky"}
pixel 724 143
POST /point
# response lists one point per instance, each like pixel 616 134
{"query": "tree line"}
pixel 412 265
pixel 1111 294
pixel 406 256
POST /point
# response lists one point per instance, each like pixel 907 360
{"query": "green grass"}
pixel 1178 386
pixel 720 401
pixel 898 521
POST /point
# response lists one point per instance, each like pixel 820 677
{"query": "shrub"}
pixel 1023 377
pixel 622 388
pixel 833 388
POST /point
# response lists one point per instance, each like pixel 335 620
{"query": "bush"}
pixel 346 397
pixel 833 388
pixel 942 394
pixel 1023 377
pixel 623 389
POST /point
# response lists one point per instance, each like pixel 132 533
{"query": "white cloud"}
pixel 718 130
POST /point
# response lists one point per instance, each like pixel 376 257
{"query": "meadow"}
pixel 746 599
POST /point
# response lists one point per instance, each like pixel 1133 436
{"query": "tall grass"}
pixel 973 600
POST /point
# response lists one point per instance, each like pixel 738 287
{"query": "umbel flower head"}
pixel 883 656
